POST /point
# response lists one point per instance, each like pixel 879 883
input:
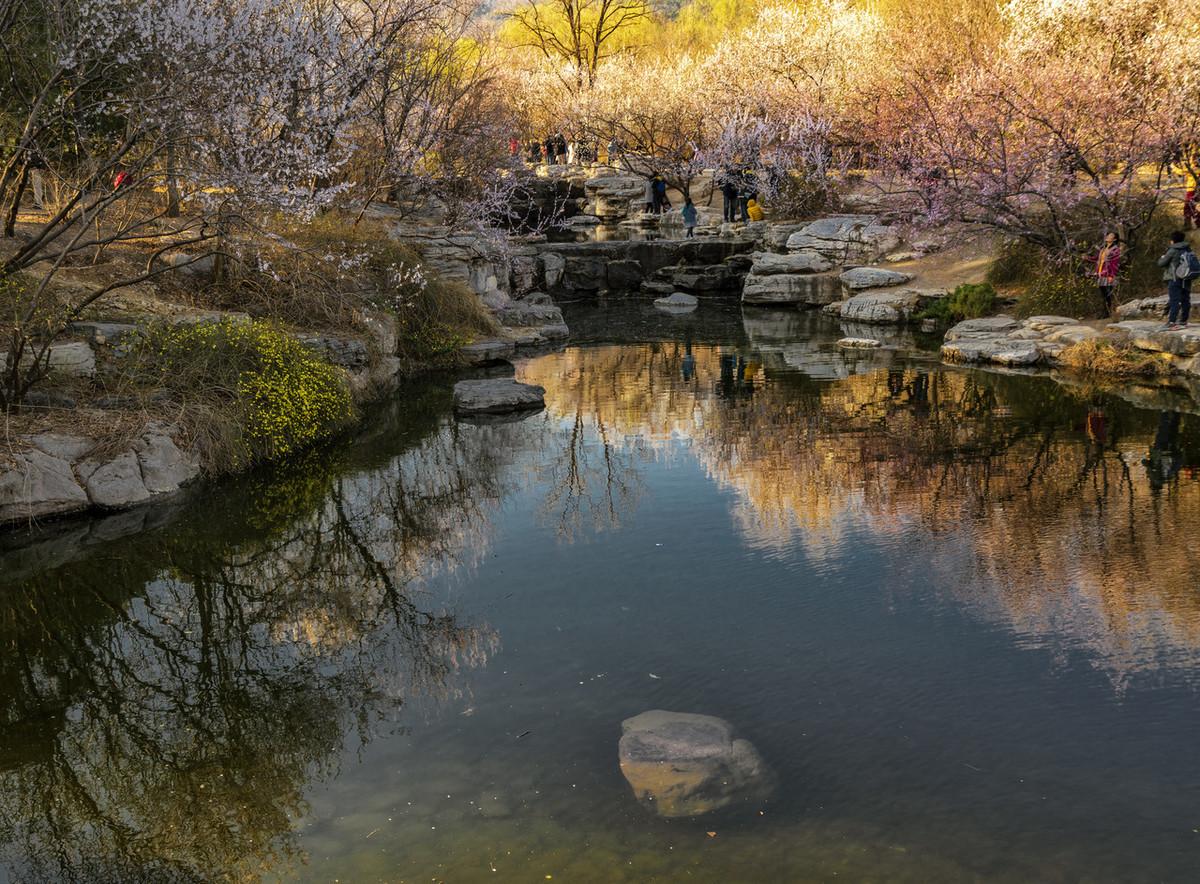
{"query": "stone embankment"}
pixel 831 263
pixel 1041 340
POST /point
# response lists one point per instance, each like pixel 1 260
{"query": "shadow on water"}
pixel 954 610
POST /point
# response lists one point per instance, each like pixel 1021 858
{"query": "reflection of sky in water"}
pixel 955 612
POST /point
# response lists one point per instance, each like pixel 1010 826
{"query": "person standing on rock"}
pixel 689 217
pixel 1108 263
pixel 661 203
pixel 1180 268
pixel 729 192
pixel 648 194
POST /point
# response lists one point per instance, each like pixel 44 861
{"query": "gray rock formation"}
pixel 859 343
pixel 35 485
pixel 885 306
pixel 1147 335
pixel 845 238
pixel 859 278
pixel 346 352
pixel 487 351
pixel 680 302
pixel 70 359
pixel 769 263
pixel 804 289
pixel 1151 308
pixel 115 483
pixel 1002 340
pixel 497 396
pixel 615 197
pixel 59 474
pixel 682 765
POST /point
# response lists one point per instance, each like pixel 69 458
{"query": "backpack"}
pixel 1188 266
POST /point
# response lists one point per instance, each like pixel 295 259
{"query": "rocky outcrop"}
pixel 653 267
pixel 885 305
pixel 74 359
pixel 801 279
pixel 497 396
pixel 1003 340
pixel 845 239
pixel 58 474
pixel 799 289
pixel 1151 308
pixel 859 278
pixel 682 765
pixel 1151 336
pixel 615 197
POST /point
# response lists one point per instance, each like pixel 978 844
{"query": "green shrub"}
pixel 1061 292
pixel 968 301
pixel 1023 264
pixel 332 272
pixel 251 390
pixel 1016 263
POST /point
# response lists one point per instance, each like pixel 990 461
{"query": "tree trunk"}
pixel 172 183
pixel 10 222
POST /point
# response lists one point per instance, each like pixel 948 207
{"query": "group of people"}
pixel 555 150
pixel 1181 267
pixel 740 195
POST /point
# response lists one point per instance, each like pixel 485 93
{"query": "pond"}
pixel 956 613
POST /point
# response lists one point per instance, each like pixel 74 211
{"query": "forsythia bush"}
pixel 271 394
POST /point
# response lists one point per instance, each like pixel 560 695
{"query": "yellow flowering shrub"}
pixel 270 394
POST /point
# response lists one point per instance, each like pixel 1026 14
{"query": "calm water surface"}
pixel 958 614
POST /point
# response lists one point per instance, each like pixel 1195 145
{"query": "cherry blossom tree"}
pixel 1063 132
pixel 233 109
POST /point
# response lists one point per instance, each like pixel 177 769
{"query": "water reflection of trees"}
pixel 1071 534
pixel 163 706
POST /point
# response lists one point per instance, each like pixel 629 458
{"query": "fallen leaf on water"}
pixel 711 834
pixel 652 675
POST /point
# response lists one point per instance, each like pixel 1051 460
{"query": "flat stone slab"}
pixel 814 289
pixel 491 350
pixel 998 350
pixel 859 278
pixel 1150 335
pixel 681 764
pixel 882 306
pixel 987 326
pixel 808 261
pixel 497 396
pixel 678 302
pixel 859 343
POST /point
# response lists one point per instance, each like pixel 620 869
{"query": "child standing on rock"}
pixel 689 217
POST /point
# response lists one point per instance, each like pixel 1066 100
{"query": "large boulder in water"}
pixel 497 396
pixel 680 764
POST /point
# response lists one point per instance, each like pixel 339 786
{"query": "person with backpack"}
pixel 1108 263
pixel 1181 268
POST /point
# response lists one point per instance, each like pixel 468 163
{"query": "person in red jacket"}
pixel 1108 264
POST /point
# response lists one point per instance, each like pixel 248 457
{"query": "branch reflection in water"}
pixel 166 700
pixel 1067 499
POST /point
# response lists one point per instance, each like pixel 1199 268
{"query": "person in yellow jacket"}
pixel 754 210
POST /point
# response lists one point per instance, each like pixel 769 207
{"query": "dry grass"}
pixel 1113 360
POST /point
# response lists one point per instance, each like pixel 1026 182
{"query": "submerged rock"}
pixel 681 764
pixel 497 396
pixel 679 302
